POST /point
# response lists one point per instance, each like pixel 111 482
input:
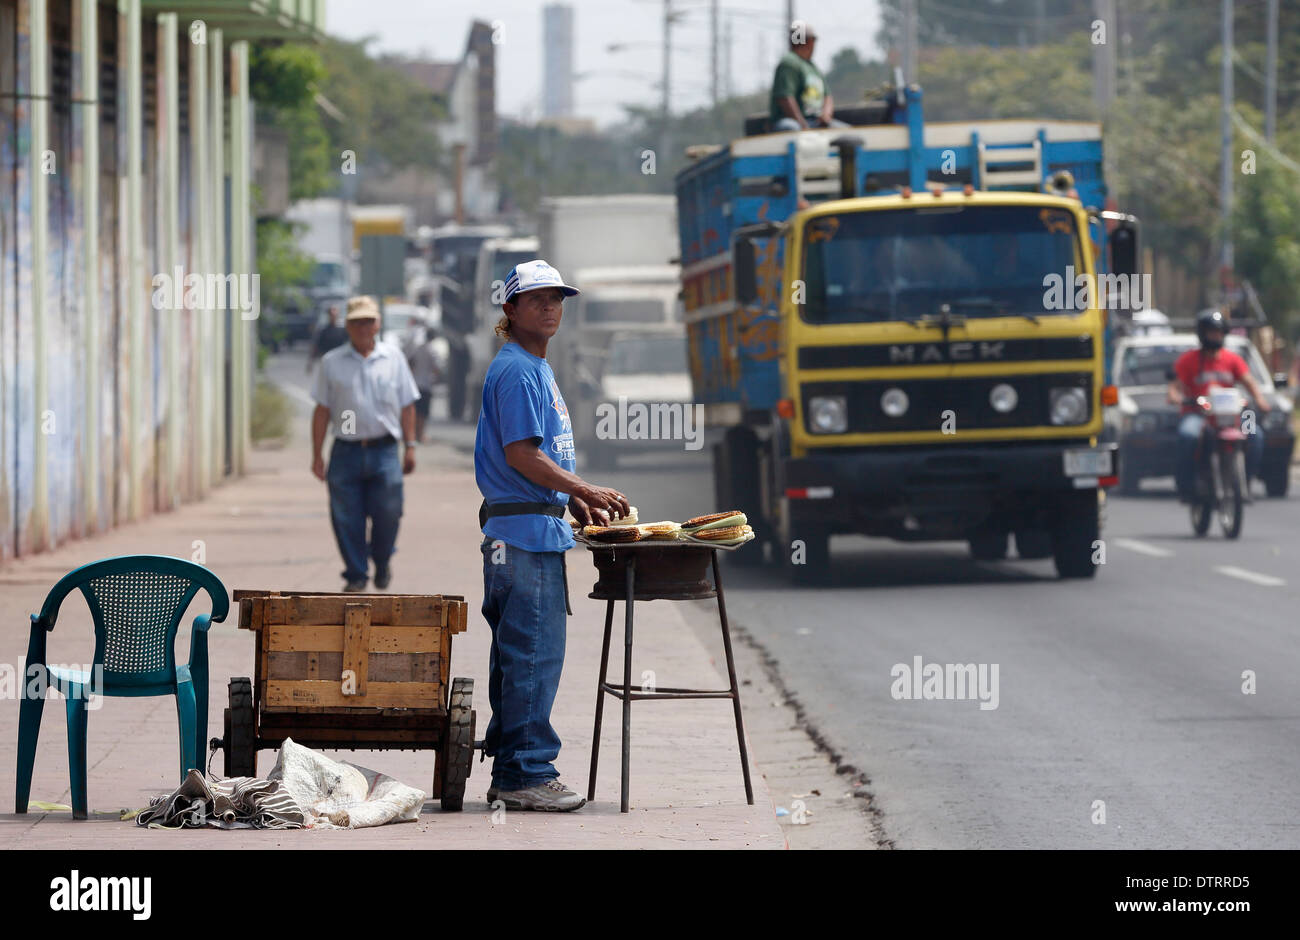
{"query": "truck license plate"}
pixel 1093 463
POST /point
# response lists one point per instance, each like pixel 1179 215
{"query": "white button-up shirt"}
pixel 365 394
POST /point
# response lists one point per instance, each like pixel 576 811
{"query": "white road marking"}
pixel 1263 580
pixel 1142 548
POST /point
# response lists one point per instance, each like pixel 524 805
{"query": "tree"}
pixel 1266 235
pixel 283 80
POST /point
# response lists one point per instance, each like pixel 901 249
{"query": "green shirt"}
pixel 799 79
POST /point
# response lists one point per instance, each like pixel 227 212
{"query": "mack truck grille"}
pixel 966 398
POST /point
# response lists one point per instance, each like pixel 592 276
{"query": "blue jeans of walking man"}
pixel 1189 437
pixel 365 484
pixel 524 605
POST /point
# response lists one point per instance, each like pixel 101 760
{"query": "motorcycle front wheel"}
pixel 1202 507
pixel 1232 493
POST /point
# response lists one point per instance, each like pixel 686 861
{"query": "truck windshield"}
pixel 503 261
pixel 630 310
pixel 649 355
pixel 983 261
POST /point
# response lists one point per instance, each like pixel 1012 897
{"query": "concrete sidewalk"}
pixel 271 530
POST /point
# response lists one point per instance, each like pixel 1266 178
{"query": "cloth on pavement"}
pixel 229 803
pixel 305 789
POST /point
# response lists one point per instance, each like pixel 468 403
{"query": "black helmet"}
pixel 1211 320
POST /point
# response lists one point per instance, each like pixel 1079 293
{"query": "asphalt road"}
pixel 1127 689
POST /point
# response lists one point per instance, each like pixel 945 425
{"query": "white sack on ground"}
pixel 337 795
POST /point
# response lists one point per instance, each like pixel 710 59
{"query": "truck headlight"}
pixel 894 402
pixel 828 415
pixel 1003 398
pixel 1068 405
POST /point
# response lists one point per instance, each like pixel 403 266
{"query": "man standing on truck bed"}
pixel 799 96
pixel 524 463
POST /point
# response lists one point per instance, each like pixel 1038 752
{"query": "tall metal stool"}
pixel 645 571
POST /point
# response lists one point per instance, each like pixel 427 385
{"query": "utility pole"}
pixel 1225 155
pixel 1270 74
pixel 713 50
pixel 789 18
pixel 727 88
pixel 665 144
pixel 909 42
pixel 1103 58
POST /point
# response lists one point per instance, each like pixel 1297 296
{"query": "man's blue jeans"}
pixel 1189 436
pixel 524 604
pixel 365 483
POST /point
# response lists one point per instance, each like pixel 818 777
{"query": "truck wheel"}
pixel 456 390
pixel 1078 527
pixel 988 546
pixel 1277 480
pixel 1034 543
pixel 736 486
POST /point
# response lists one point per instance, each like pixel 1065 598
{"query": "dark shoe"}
pixel 549 797
pixel 354 587
pixel 493 792
pixel 383 576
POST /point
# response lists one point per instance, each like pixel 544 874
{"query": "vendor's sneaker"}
pixel 549 797
pixel 354 587
pixel 383 577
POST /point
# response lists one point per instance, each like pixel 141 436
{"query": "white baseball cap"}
pixel 534 275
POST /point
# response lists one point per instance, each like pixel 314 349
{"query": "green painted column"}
pixel 169 253
pixel 217 228
pixel 137 296
pixel 241 243
pixel 90 257
pixel 200 238
pixel 40 85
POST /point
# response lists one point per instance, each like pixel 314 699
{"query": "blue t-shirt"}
pixel 522 402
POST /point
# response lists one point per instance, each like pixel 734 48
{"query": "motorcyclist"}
pixel 1195 372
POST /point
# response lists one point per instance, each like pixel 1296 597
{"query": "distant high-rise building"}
pixel 557 60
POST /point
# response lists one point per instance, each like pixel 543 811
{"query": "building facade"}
pixel 126 255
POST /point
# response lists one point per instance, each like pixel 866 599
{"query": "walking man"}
pixel 365 392
pixel 524 463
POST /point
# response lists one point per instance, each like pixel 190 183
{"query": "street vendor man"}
pixel 365 391
pixel 524 465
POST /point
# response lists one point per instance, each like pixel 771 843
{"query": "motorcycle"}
pixel 1220 463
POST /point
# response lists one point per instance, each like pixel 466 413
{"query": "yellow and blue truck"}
pixel 902 329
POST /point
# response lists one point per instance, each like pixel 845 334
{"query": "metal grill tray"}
pixel 687 542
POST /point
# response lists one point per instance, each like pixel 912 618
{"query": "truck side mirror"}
pixel 744 266
pixel 1125 254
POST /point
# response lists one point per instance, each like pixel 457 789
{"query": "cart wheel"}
pixel 240 741
pixel 457 745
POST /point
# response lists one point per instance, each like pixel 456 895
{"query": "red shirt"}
pixel 1198 371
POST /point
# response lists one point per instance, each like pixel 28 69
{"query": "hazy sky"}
pixel 439 28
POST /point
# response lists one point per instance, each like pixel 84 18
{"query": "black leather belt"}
pixel 488 511
pixel 384 441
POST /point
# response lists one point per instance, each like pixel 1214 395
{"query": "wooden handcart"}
pixel 355 672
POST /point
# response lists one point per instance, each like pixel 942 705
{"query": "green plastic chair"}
pixel 137 602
